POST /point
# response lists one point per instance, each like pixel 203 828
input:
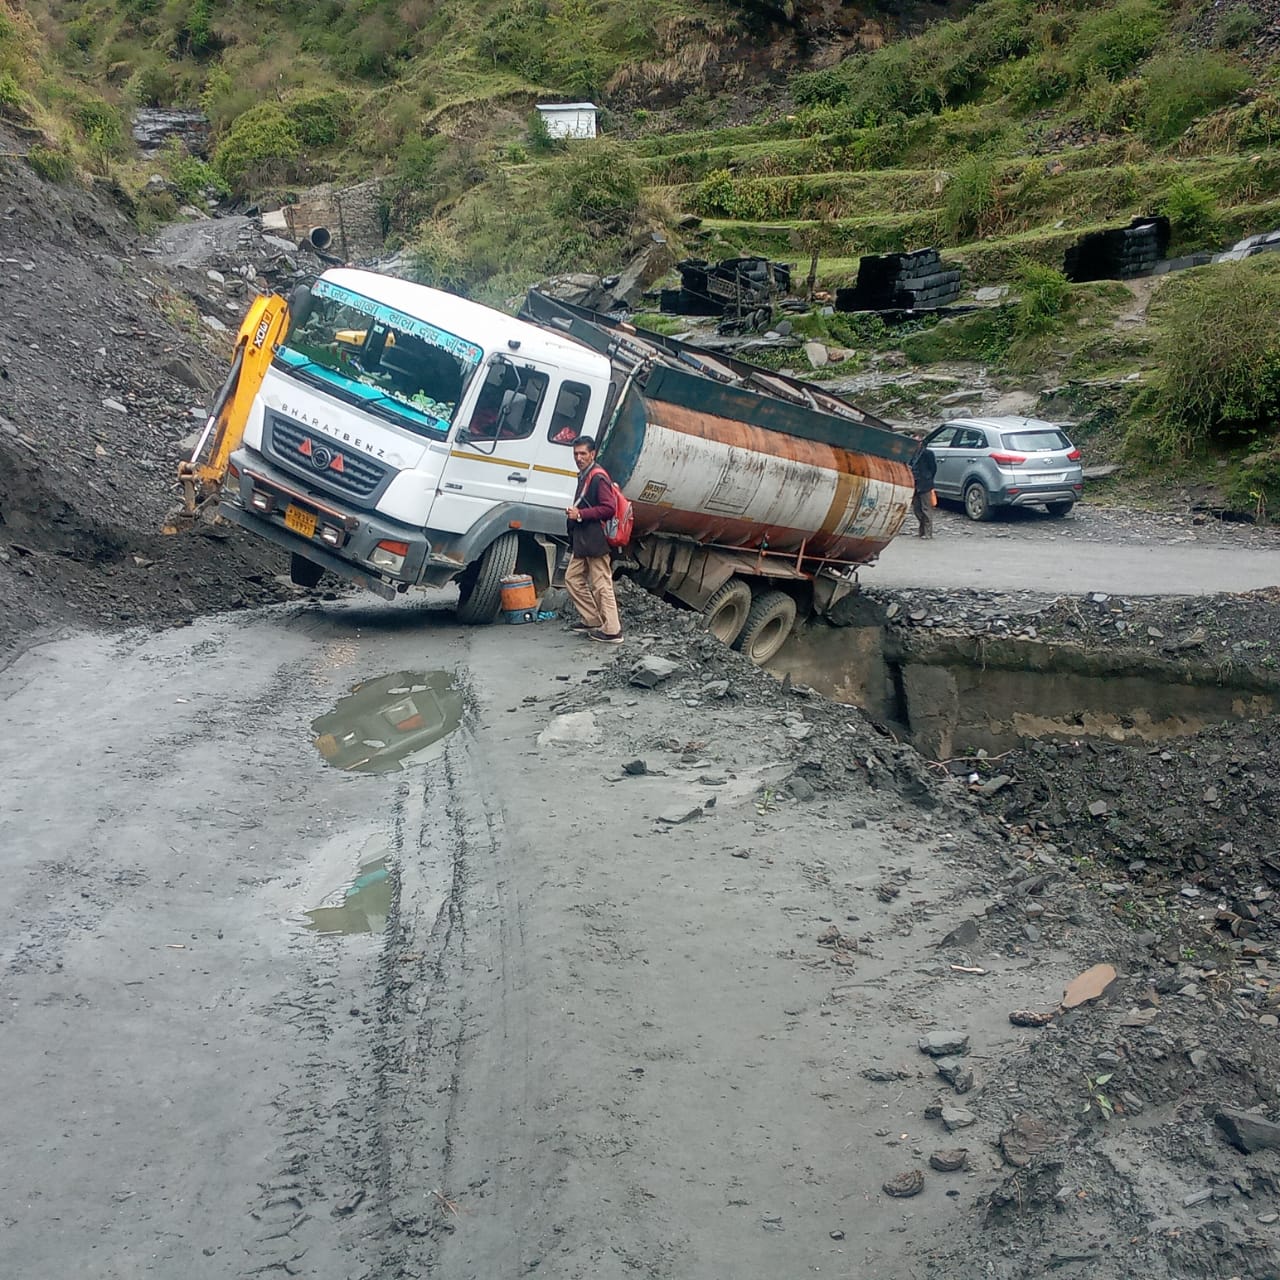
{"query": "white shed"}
pixel 569 119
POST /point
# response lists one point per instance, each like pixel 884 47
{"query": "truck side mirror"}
pixel 300 304
pixel 511 415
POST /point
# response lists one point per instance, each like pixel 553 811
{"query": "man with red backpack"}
pixel 589 577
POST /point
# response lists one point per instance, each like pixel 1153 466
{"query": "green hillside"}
pixel 1000 131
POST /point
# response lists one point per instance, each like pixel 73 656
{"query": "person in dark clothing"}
pixel 589 577
pixel 924 467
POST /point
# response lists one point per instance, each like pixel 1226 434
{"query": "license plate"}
pixel 300 521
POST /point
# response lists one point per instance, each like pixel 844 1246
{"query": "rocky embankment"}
pixel 109 354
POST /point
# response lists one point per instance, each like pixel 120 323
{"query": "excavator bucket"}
pixel 202 476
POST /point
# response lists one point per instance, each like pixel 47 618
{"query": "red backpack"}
pixel 619 530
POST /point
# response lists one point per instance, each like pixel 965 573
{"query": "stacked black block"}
pixel 1119 253
pixel 916 281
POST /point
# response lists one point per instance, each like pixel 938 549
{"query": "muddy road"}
pixel 527 1024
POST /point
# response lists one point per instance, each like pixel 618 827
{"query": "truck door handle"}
pixel 518 477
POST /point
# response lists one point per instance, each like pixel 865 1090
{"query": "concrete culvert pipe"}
pixel 319 237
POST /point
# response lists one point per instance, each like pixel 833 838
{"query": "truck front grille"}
pixel 324 461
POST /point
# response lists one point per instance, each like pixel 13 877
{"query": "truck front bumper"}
pixel 344 540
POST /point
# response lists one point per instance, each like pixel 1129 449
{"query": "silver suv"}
pixel 1006 462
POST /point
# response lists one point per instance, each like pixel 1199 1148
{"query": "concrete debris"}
pixel 577 728
pixel 1091 985
pixel 949 1160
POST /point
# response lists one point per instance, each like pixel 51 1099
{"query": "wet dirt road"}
pixel 1088 551
pixel 558 1036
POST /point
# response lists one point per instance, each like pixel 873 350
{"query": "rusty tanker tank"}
pixel 756 495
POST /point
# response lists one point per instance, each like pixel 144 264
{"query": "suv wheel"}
pixel 977 501
pixel 1058 509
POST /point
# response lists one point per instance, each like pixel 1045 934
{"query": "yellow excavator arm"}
pixel 203 474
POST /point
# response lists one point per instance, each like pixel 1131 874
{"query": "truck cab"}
pixel 401 433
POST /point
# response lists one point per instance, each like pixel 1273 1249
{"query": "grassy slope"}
pixel 1001 136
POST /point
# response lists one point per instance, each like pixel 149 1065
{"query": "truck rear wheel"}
pixel 304 572
pixel 480 587
pixel 769 622
pixel 725 613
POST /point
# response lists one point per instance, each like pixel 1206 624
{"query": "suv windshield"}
pixel 1031 441
pixel 389 363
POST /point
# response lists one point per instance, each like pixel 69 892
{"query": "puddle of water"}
pixel 364 906
pixel 390 723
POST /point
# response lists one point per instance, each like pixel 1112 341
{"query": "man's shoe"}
pixel 605 638
pixel 581 626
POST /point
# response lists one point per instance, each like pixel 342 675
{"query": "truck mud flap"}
pixel 291 542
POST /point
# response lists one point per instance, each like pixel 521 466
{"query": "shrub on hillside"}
pixel 1219 358
pixel 1236 27
pixel 821 88
pixel 1112 106
pixel 188 175
pixel 52 165
pixel 320 119
pixel 1255 485
pixel 11 95
pixel 1032 83
pixel 598 185
pixel 1113 40
pixel 1193 214
pixel 436 257
pixel 971 196
pixel 261 147
pixel 1044 296
pixel 152 85
pixel 1180 87
pixel 102 129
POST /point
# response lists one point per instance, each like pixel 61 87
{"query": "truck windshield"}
pixel 390 363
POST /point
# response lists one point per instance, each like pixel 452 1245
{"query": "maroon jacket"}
pixel 595 500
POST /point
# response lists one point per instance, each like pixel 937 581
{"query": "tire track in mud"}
pixel 327 1195
pixel 455 1030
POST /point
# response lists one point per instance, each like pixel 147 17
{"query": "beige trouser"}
pixel 589 581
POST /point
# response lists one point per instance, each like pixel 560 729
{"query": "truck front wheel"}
pixel 769 622
pixel 480 587
pixel 725 614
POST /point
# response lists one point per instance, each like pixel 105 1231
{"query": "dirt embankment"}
pixel 105 362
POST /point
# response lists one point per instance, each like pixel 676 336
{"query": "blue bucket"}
pixel 518 616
